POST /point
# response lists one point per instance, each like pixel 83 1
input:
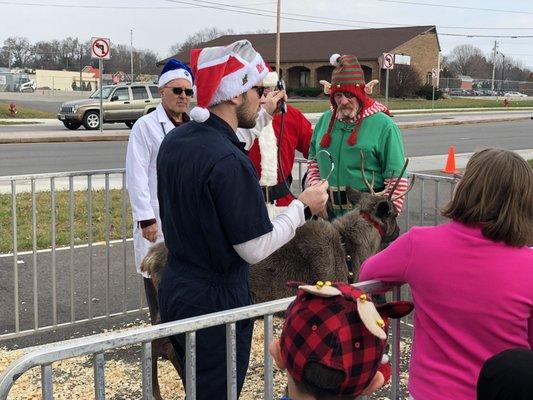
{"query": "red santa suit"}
pixel 297 132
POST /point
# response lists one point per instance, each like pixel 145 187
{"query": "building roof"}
pixel 318 46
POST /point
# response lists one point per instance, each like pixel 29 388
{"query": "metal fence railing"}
pixel 97 345
pixel 67 256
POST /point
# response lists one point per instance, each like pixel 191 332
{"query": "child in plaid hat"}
pixel 333 341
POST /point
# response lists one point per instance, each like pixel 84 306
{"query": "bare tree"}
pixel 20 50
pixel 205 35
pixel 469 60
pixel 404 81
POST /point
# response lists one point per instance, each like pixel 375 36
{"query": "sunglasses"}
pixel 260 90
pixel 178 91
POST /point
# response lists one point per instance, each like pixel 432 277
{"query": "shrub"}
pixel 426 92
pixel 404 81
pixel 305 91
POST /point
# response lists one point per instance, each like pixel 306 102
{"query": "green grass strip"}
pixel 24 112
pixel 62 210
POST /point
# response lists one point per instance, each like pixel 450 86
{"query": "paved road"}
pixel 16 159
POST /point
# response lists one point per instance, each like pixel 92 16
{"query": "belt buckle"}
pixel 347 206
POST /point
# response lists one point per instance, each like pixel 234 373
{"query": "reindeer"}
pixel 320 249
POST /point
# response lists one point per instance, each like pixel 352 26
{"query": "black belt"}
pixel 339 198
pixel 273 193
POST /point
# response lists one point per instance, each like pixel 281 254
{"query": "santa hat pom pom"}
pixel 199 114
pixel 334 60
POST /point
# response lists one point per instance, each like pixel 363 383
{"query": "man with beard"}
pixel 357 126
pixel 214 218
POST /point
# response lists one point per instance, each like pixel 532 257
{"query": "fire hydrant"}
pixel 13 109
pixel 506 102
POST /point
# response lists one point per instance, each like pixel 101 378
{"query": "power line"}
pixel 106 7
pixel 456 7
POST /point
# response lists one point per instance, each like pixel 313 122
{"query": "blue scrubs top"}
pixel 209 199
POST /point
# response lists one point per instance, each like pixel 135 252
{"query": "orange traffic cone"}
pixel 450 162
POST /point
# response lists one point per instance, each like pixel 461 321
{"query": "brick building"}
pixel 305 55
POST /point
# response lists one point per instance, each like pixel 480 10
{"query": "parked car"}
pixel 514 94
pixel 457 92
pixel 27 86
pixel 121 103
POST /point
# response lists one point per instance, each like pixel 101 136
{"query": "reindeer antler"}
pixel 400 176
pixel 411 184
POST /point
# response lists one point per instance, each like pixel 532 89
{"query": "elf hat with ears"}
pixel 224 72
pixel 347 77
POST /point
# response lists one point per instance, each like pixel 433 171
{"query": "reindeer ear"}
pixel 354 195
pixel 384 209
pixel 395 309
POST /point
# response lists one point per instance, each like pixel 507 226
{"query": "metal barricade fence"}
pixel 97 345
pixel 77 262
pixel 70 251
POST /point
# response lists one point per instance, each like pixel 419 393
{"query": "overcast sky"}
pixel 158 24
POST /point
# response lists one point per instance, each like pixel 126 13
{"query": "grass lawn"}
pixel 398 104
pixel 531 163
pixel 24 112
pixel 62 206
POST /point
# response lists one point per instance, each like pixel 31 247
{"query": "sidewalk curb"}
pixel 426 124
pixel 65 139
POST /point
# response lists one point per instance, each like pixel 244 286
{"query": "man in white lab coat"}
pixel 176 89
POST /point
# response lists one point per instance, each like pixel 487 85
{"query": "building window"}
pixel 305 78
pixel 429 79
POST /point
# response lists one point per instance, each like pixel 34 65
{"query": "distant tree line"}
pixel 72 54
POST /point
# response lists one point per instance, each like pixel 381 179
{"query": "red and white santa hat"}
pixel 224 72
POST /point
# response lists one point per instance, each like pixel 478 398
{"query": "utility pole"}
pixel 503 71
pixel 81 67
pixel 278 39
pixel 494 52
pixel 131 54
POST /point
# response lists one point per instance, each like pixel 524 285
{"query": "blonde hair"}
pixel 496 193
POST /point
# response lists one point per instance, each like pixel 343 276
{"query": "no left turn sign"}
pixel 388 61
pixel 100 48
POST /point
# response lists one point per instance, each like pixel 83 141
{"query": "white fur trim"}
pixel 268 148
pixel 271 79
pixel 334 59
pixel 174 74
pixel 199 114
pixel 232 85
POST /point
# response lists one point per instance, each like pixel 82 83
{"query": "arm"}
pixel 305 133
pixel 137 162
pixel 393 156
pixel 284 229
pixel 313 175
pixel 391 264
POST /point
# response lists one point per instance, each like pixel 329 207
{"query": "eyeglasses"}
pixel 348 95
pixel 178 91
pixel 260 90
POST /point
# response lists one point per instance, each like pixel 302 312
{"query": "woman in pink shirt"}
pixel 471 279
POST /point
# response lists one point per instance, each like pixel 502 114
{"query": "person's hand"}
pixel 271 100
pixel 150 232
pixel 324 213
pixel 315 196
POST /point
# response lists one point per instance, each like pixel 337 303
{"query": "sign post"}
pixel 435 72
pixel 387 63
pixel 101 50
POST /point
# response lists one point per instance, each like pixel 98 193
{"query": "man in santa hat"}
pixel 272 147
pixel 213 215
pixel 356 126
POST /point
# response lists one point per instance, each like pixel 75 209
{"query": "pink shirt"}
pixel 473 298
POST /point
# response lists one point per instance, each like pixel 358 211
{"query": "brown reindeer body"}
pixel 320 250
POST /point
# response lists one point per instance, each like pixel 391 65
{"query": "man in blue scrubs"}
pixel 213 213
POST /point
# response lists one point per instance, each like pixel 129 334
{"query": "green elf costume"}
pixel 372 132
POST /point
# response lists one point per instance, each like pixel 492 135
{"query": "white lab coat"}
pixel 141 175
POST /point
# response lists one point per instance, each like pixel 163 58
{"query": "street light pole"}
pixel 131 54
pixel 494 51
pixel 503 71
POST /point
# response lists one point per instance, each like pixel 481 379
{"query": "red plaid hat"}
pixel 324 324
